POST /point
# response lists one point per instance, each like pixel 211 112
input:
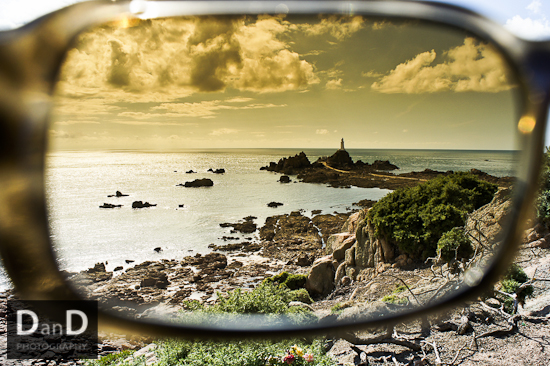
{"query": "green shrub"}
pixel 510 283
pixel 454 245
pixel 242 353
pixel 415 218
pixel 292 281
pixel 301 295
pixel 267 298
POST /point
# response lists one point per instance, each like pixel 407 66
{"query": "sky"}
pixel 286 82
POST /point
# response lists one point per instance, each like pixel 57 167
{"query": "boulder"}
pixel 339 248
pixel 284 179
pixel 304 260
pixel 335 241
pixel 205 182
pixel 340 273
pixel 320 280
pixel 274 204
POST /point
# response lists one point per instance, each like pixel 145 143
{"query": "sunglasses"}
pixel 192 153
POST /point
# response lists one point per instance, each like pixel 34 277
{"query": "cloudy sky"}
pixel 286 82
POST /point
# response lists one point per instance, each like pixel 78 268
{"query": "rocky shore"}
pixel 350 272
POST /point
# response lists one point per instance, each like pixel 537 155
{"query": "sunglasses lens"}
pixel 251 164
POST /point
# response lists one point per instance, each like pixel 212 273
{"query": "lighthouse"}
pixel 342 144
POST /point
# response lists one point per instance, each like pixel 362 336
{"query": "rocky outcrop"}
pixel 217 171
pixel 340 160
pixel 93 275
pixel 118 194
pixel 288 227
pixel 205 182
pixel 274 204
pixel 247 227
pixel 284 179
pixel 486 223
pixel 290 165
pixel 109 205
pixel 383 165
pixel 140 204
pixel 371 249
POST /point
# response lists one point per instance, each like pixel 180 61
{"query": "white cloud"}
pixel 334 84
pixel 470 67
pixel 321 132
pixel 533 29
pixel 535 6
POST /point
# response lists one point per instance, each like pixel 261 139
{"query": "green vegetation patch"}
pixel 511 283
pixel 112 358
pixel 292 281
pixel 415 218
pixel 454 245
pixel 267 298
pixel 245 353
pixel 394 299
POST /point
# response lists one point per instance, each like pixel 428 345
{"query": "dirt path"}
pixel 374 175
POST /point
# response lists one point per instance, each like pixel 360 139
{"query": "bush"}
pixel 243 353
pixel 415 218
pixel 511 282
pixel 301 295
pixel 292 281
pixel 267 298
pixel 454 245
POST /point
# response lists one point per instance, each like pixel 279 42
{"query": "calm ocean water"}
pixel 77 183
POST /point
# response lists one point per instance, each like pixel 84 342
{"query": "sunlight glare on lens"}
pixel 526 124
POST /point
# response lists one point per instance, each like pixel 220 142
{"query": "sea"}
pixel 185 221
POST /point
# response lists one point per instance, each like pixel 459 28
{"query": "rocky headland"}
pixel 339 170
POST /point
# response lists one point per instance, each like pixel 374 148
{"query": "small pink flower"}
pixel 308 357
pixel 289 358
